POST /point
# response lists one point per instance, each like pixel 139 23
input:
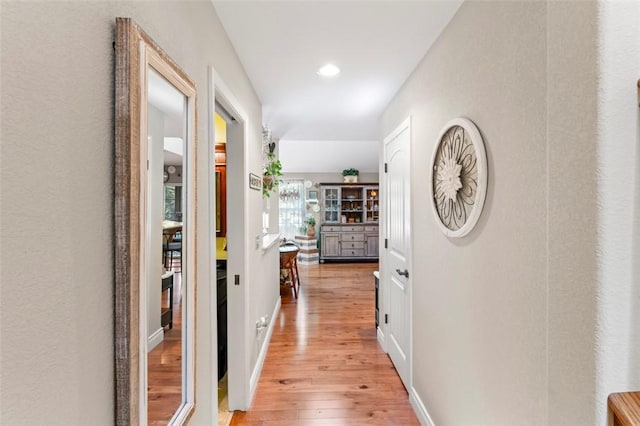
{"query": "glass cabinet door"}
pixel 372 205
pixel 331 204
pixel 351 204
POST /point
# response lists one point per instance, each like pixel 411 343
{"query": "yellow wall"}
pixel 221 129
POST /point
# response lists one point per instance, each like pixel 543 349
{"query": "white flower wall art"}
pixel 458 177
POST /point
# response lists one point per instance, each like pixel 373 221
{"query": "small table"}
pixel 170 227
pixel 288 261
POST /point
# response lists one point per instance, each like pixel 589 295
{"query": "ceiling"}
pixel 376 44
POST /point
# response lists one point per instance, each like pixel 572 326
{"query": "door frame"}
pixel 384 285
pixel 237 296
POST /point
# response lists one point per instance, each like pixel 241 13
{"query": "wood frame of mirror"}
pixel 135 52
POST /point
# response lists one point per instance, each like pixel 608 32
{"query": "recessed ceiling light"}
pixel 329 70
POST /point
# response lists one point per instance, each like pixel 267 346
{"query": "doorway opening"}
pixel 221 120
pixel 227 181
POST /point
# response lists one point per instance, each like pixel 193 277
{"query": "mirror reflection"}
pixel 166 135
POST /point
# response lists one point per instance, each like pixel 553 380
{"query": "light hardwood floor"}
pixel 165 367
pixel 324 365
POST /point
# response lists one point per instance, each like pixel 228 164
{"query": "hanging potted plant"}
pixel 271 174
pixel 350 175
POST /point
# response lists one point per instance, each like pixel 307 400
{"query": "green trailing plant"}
pixel 350 172
pixel 310 221
pixel 271 175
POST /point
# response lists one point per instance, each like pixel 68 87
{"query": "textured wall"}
pixel 479 303
pixel 532 319
pixel 572 226
pixel 56 171
pixel 618 207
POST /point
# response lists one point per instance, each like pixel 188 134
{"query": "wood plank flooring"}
pixel 164 366
pixel 324 365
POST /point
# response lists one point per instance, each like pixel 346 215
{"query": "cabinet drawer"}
pixel 351 237
pixel 330 234
pixel 352 245
pixel 352 252
pixel 370 229
pixel 331 229
pixel 351 229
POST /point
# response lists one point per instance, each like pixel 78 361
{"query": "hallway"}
pixel 324 365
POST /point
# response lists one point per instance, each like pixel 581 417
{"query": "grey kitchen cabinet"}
pixel 348 242
pixel 349 203
pixel 330 244
pixel 372 244
pixel 349 228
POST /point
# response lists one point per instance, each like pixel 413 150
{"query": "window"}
pixel 173 202
pixel 292 207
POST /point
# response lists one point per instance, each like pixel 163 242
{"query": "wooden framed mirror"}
pixel 155 240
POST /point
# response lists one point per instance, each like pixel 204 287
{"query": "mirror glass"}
pixel 155 217
pixel 166 133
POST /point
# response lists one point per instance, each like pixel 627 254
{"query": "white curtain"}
pixel 292 207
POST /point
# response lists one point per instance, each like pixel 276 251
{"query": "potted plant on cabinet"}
pixel 271 174
pixel 350 175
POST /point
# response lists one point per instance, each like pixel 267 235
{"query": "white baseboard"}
pixel 380 335
pixel 155 339
pixel 420 409
pixel 255 376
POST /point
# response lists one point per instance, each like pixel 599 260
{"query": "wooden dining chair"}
pixel 289 263
pixel 172 244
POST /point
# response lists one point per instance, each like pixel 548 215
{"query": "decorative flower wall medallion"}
pixel 458 177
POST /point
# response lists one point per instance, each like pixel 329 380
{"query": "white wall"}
pixel 259 277
pixel 155 215
pixel 57 198
pixel 572 217
pixel 479 322
pixel 533 318
pixel 594 339
pixel 312 156
pixel 618 207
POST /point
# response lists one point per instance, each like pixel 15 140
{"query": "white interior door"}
pixel 397 275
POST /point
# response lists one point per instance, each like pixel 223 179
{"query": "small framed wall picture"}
pixel 255 182
pixel 313 197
